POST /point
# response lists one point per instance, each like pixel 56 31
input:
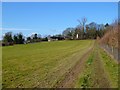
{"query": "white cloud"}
pixel 14 29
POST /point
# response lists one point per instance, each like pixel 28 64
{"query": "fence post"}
pixel 112 49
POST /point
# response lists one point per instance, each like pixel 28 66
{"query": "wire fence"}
pixel 114 52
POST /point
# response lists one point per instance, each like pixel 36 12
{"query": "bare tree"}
pixel 82 23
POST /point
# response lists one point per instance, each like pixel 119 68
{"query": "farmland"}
pixel 40 64
pixel 73 63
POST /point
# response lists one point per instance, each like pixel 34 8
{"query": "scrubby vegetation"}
pixel 112 34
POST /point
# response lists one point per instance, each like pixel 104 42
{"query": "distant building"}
pixel 54 38
pixel 77 36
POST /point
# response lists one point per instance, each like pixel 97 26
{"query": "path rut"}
pixel 71 76
pixel 100 78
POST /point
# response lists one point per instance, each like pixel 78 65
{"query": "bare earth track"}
pixel 72 75
pixel 99 76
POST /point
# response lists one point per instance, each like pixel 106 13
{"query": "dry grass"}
pixel 111 36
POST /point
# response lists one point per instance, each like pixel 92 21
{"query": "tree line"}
pixel 19 38
pixel 80 32
pixel 86 31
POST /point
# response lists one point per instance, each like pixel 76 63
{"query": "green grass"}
pixel 40 64
pixel 111 68
pixel 87 78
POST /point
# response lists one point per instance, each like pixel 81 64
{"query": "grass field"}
pixel 40 64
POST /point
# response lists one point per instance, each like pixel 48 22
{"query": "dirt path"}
pixel 72 75
pixel 100 78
